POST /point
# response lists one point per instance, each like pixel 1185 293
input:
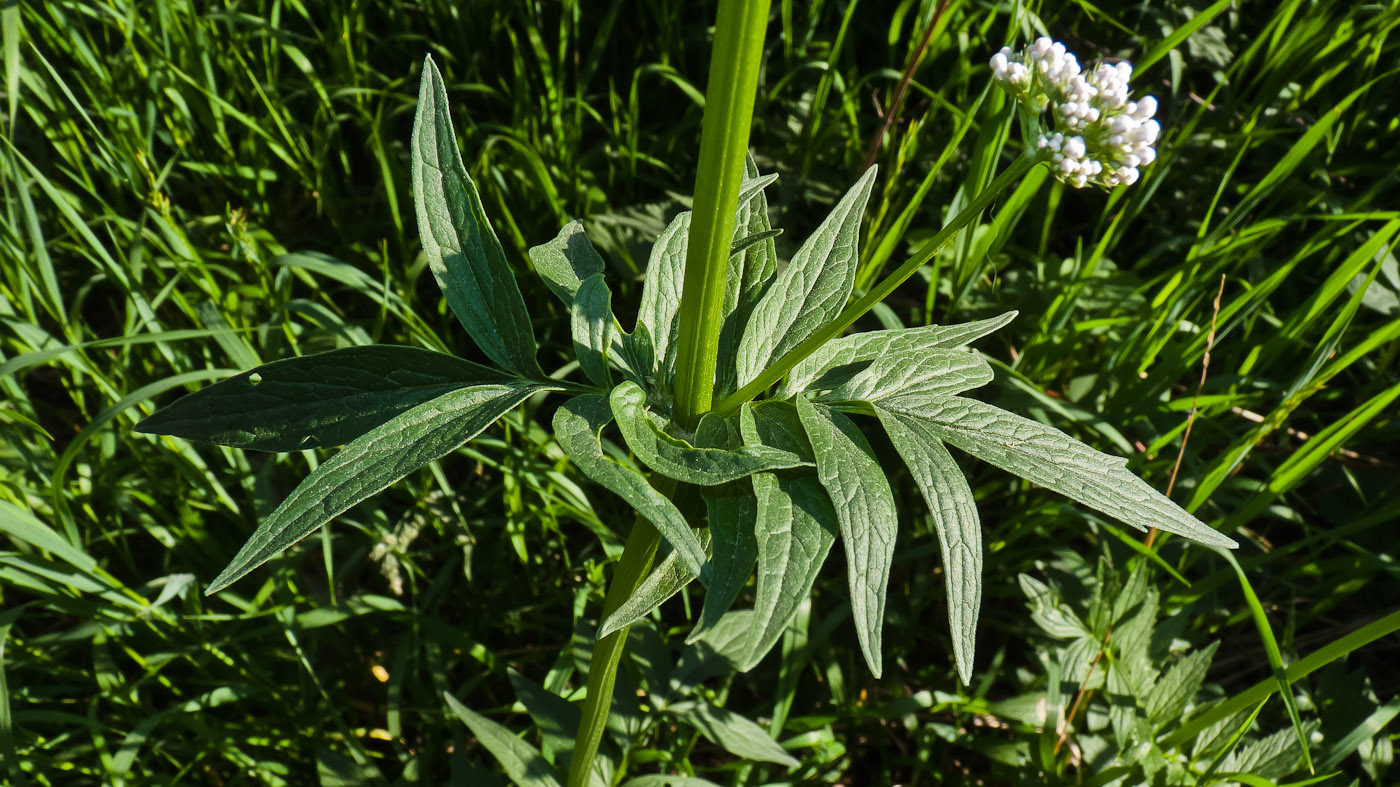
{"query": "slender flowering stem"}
pixel 734 66
pixel 724 140
pixel 866 302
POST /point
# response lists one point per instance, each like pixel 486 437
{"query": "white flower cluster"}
pixel 1101 137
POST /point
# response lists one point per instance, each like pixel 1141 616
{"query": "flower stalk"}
pixel 729 98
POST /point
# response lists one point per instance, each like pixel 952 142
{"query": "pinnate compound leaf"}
pixel 841 359
pixel 1046 456
pixel 567 262
pixel 737 735
pixel 661 293
pixel 935 371
pixel 954 511
pixel 811 290
pixel 577 424
pixel 678 459
pixel 462 250
pixel 372 462
pixel 522 762
pixel 794 528
pixel 865 509
pixel 592 324
pixel 1174 690
pixel 666 580
pixel 319 400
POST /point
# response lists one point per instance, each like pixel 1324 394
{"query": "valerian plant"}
pixel 741 406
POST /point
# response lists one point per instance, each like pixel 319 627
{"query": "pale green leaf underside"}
pixel 811 290
pixel 664 581
pixel 930 371
pixel 865 509
pixel 795 527
pixel 522 762
pixel 592 326
pixel 954 511
pixel 753 261
pixel 737 735
pixel 661 293
pixel 567 261
pixel 677 459
pixel 319 400
pixel 577 424
pixel 462 250
pixel 840 359
pixel 372 462
pixel 731 511
pixel 1053 459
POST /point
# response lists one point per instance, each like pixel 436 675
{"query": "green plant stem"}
pixel 632 568
pixel 724 140
pixel 866 302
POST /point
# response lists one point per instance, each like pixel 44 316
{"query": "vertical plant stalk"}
pixel 866 302
pixel 724 139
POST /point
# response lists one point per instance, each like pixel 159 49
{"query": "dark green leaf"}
pixel 732 511
pixel 522 762
pixel 371 463
pixel 462 250
pixel 319 400
pixel 738 735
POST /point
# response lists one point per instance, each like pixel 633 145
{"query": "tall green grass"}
pixel 191 189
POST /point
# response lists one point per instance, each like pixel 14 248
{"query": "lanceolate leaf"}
pixel 371 463
pixel 935 370
pixel 576 425
pixel 865 508
pixel 592 324
pixel 811 290
pixel 840 359
pixel 462 250
pixel 567 261
pixel 661 293
pixel 317 400
pixel 732 511
pixel 1053 459
pixel 738 735
pixel 751 266
pixel 666 580
pixel 522 762
pixel 954 511
pixel 677 459
pixel 794 529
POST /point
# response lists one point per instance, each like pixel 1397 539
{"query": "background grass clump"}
pixel 191 189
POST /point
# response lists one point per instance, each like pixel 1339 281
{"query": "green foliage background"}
pixel 191 189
